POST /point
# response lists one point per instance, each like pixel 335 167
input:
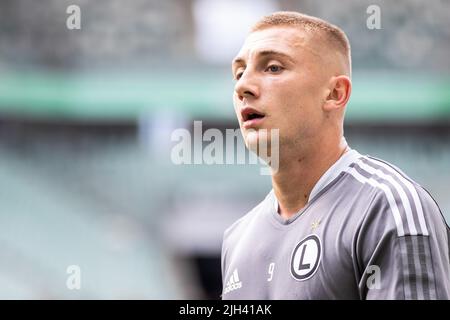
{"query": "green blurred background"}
pixel 86 118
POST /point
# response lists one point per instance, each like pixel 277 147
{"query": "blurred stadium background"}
pixel 86 117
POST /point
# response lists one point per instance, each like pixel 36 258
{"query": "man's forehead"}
pixel 277 39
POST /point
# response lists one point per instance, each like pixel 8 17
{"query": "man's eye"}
pixel 239 75
pixel 274 68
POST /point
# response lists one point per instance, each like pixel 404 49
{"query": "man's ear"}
pixel 340 89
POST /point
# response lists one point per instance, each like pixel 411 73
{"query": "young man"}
pixel 337 225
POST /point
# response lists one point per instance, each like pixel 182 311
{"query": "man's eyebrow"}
pixel 238 61
pixel 264 53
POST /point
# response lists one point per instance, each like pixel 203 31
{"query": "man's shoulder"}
pixel 383 177
pixel 387 178
pixel 411 205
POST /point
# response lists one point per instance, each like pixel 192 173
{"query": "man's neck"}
pixel 293 182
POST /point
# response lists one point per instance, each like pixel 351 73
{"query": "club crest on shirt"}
pixel 306 258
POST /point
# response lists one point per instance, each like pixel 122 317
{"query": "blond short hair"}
pixel 336 38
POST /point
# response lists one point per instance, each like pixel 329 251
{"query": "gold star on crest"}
pixel 315 225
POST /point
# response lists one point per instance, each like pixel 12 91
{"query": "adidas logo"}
pixel 233 283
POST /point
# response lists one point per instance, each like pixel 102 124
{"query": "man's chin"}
pixel 258 142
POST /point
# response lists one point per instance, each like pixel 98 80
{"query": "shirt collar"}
pixel 340 165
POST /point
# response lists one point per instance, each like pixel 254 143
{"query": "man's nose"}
pixel 247 87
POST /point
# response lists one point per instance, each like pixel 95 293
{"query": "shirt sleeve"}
pixel 409 265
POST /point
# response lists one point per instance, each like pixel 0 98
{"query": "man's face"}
pixel 280 84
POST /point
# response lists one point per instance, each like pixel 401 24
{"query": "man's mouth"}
pixel 251 116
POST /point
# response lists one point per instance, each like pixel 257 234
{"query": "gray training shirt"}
pixel 367 232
